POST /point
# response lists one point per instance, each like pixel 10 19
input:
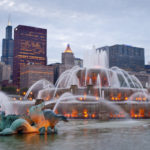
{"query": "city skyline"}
pixel 110 22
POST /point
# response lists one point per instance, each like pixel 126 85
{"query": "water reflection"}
pixel 85 135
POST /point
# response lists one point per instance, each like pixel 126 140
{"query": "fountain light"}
pixel 97 98
pixel 74 113
pixel 144 98
pixel 126 98
pixel 140 114
pixel 93 115
pixel 140 98
pixel 81 98
pixel 30 98
pixel 117 115
pixel 112 98
pixel 24 93
pixel 67 115
pixel 17 90
pixel 85 113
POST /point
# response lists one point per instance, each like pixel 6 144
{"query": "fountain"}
pixel 96 92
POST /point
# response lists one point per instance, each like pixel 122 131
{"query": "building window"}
pixel 127 51
pixel 134 52
pixel 139 52
pixel 122 51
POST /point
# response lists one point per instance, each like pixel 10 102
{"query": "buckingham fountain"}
pixel 93 92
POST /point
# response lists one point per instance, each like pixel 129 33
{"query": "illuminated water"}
pixel 86 135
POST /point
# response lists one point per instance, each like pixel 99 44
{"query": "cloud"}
pixel 83 23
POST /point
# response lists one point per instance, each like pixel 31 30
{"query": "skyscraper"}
pixel 7 47
pixel 124 56
pixel 29 47
pixel 68 57
pixel 68 61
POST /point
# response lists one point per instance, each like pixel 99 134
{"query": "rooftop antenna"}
pixel 9 20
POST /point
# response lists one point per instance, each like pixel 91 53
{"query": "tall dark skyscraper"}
pixel 30 44
pixel 7 47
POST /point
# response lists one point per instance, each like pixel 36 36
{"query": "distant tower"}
pixel 68 57
pixel 7 46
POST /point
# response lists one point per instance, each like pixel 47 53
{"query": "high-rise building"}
pixel 126 57
pixel 7 47
pixel 31 73
pixel 68 57
pixel 5 71
pixel 68 61
pixel 30 44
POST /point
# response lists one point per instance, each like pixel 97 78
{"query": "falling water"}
pixel 13 107
pixel 5 103
pixel 41 84
pixel 95 58
pixel 99 85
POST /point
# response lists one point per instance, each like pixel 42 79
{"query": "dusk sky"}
pixel 82 23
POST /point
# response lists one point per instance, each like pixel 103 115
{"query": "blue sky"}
pixel 82 23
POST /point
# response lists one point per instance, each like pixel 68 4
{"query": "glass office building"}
pixel 30 44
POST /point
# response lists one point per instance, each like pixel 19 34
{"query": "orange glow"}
pixel 137 115
pixel 116 98
pixel 110 115
pixel 112 98
pixel 47 98
pixel 84 97
pixel 140 98
pixel 24 93
pixel 17 90
pixel 80 98
pixel 126 98
pixel 27 110
pixel 144 98
pixel 118 115
pixel 132 113
pixel 30 98
pixel 56 111
pixel 67 115
pixel 85 113
pixel 97 98
pixel 74 113
pixel 93 115
pixel 119 96
pixel 141 112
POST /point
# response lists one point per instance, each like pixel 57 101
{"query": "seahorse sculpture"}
pixel 39 121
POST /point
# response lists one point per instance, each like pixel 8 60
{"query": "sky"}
pixel 81 23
